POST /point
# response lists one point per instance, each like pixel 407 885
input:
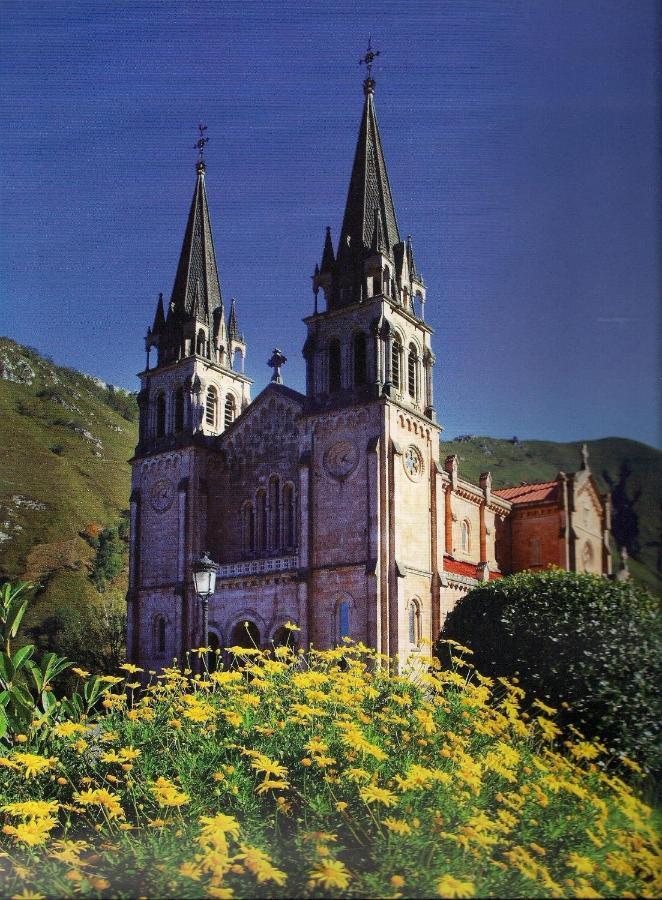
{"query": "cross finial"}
pixel 369 58
pixel 200 143
pixel 276 362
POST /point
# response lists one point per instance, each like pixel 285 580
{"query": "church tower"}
pixel 375 499
pixel 193 392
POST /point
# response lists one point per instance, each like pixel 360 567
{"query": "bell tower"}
pixel 371 338
pixel 373 520
pixel 190 393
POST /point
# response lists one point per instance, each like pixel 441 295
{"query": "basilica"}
pixel 330 509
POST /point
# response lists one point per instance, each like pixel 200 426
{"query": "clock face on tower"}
pixel 341 459
pixel 162 495
pixel 413 462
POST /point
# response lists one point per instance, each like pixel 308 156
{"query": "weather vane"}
pixel 369 57
pixel 202 140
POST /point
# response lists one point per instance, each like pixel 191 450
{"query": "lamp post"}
pixel 204 579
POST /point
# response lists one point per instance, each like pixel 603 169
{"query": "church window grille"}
pixel 466 537
pixel 535 551
pixel 200 346
pixel 274 512
pixel 360 359
pixel 160 415
pixel 334 367
pixel 396 355
pixel 211 407
pixel 179 410
pixel 343 619
pixel 230 409
pixel 414 622
pixel 249 528
pixel 412 372
pixel 289 517
pixel 261 520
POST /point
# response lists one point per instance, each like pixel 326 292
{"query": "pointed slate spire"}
pixel 369 199
pixel 233 327
pixel 159 317
pixel 197 272
pixel 410 258
pixel 328 256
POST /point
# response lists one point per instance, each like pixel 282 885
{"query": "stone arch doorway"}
pixel 213 656
pixel 245 634
pixel 284 637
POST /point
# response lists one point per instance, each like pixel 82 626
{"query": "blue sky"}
pixel 522 145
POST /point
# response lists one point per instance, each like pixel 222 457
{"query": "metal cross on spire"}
pixel 369 58
pixel 202 140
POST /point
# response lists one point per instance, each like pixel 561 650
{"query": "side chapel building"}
pixel 329 509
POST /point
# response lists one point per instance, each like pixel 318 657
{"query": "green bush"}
pixel 581 642
pixel 111 547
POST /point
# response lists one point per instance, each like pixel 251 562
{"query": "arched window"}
pixel 414 622
pixel 343 619
pixel 211 407
pixel 412 372
pixel 535 551
pixel 261 498
pixel 387 280
pixel 230 409
pixel 274 512
pixel 160 635
pixel 248 528
pixel 200 344
pixel 334 367
pixel 360 359
pixel 396 356
pixel 179 410
pixel 160 415
pixel 466 537
pixel 289 530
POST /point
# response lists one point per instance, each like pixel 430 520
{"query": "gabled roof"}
pixel 530 493
pixel 197 290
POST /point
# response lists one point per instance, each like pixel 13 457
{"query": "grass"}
pixel 62 478
pixel 320 776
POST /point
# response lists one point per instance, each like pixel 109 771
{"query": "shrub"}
pixel 110 556
pixel 573 639
pixel 317 775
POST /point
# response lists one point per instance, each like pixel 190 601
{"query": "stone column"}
pixel 387 337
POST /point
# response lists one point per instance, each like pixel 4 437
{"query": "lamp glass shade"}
pixel 204 576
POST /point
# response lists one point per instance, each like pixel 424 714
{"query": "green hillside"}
pixel 630 470
pixel 65 439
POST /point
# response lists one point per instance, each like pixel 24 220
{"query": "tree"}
pixel 579 640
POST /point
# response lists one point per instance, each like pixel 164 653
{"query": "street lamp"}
pixel 204 579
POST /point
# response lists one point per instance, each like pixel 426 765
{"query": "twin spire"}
pixel 196 300
pixel 369 241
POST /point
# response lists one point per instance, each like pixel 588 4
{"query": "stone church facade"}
pixel 329 509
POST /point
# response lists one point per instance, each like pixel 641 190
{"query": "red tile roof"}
pixel 529 493
pixel 458 567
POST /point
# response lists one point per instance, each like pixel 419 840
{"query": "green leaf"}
pixel 13 621
pixel 22 655
pixel 7 670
